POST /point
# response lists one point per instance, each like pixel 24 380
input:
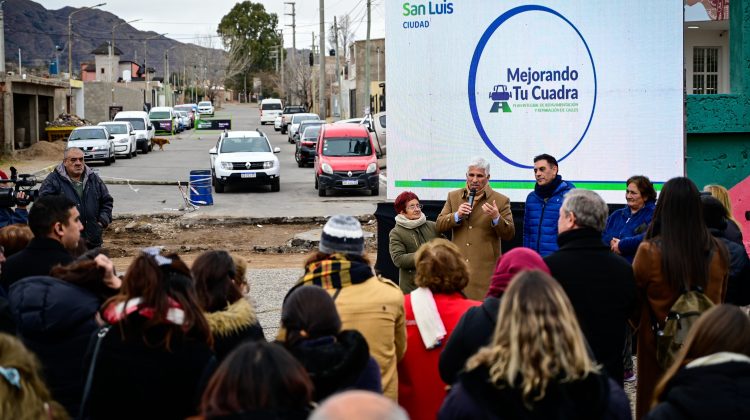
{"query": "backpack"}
pixel 690 305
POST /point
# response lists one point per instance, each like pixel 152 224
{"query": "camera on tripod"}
pixel 22 183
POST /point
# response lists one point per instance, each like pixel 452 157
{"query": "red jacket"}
pixel 420 389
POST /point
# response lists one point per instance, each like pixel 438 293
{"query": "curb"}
pixel 210 220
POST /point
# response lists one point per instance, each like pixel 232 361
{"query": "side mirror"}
pixel 379 155
pixel 212 151
pixel 132 133
pixel 277 150
pixel 150 127
pixel 111 137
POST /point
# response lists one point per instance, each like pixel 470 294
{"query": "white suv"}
pixel 244 157
pixel 205 108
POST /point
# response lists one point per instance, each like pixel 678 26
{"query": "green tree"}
pixel 249 34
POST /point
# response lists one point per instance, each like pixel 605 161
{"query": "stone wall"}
pixel 98 98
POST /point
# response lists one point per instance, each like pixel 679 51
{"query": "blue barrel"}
pixel 200 188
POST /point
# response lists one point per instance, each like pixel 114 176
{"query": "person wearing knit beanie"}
pixel 368 303
pixel 342 234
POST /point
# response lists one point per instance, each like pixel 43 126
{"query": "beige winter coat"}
pixel 478 240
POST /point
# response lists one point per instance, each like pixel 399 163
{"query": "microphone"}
pixel 472 194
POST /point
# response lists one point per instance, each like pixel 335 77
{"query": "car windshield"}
pixel 204 103
pixel 293 109
pixel 271 106
pixel 311 132
pixel 347 146
pixel 159 115
pixel 87 134
pixel 136 122
pixel 183 108
pixel 244 144
pixel 117 128
pixel 296 119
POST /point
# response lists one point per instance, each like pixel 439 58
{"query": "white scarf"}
pixel 407 223
pixel 430 326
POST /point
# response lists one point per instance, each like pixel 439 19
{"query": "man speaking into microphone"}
pixel 478 219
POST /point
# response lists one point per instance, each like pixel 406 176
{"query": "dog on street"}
pixel 159 141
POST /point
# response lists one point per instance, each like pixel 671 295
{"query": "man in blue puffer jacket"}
pixel 543 206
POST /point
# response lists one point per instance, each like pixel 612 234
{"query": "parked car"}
pixel 269 109
pixel 164 119
pixel 95 141
pixel 188 108
pixel 294 123
pixel 244 157
pixel 277 123
pixel 303 125
pixel 305 147
pixel 124 138
pixel 144 130
pixel 376 125
pixel 286 115
pixel 205 108
pixel 184 120
pixel 345 159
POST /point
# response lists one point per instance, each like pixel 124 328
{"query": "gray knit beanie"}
pixel 342 234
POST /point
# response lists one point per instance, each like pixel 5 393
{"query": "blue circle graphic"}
pixel 473 76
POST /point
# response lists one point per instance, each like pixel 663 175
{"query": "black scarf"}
pixel 546 191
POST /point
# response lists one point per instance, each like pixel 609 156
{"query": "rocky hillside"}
pixel 36 30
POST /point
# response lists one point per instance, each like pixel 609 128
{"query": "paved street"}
pixel 189 151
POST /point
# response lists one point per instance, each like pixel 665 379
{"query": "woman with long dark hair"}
pixel 336 360
pixel 258 380
pixel 710 379
pixel 677 255
pixel 154 360
pixel 230 315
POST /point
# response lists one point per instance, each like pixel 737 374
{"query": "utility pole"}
pixel 366 93
pixel 281 56
pixel 322 64
pixel 293 25
pixel 70 37
pixel 111 57
pixel 2 40
pixel 312 73
pixel 338 72
pixel 145 59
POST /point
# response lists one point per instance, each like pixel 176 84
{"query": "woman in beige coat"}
pixel 411 231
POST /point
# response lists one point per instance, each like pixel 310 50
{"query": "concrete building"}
pixel 353 83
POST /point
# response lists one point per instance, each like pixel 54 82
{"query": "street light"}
pixel 112 51
pixel 167 77
pixel 145 59
pixel 70 37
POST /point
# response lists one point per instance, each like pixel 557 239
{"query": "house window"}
pixel 705 70
pixel 102 70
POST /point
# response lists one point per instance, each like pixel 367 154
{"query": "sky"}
pixel 189 18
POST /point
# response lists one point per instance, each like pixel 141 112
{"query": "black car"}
pixel 305 150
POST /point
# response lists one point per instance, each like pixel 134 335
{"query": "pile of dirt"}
pixel 68 120
pixel 43 150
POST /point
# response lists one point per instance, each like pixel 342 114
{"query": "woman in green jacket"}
pixel 411 231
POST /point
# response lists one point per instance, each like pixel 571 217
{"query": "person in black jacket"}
pixel 599 283
pixel 336 360
pixel 75 180
pixel 56 317
pixel 738 284
pixel 475 327
pixel 230 315
pixel 710 379
pixel 56 225
pixel 537 365
pixel 155 360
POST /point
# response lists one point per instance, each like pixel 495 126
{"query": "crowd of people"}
pixel 543 331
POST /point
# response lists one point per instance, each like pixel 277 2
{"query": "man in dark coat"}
pixel 55 223
pixel 75 180
pixel 600 284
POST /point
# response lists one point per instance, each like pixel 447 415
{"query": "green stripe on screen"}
pixel 513 185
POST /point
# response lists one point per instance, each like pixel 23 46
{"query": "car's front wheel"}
pixel 218 186
pixel 276 185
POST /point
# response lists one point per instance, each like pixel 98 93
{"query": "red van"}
pixel 346 159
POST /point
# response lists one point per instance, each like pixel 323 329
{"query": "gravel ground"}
pixel 267 290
